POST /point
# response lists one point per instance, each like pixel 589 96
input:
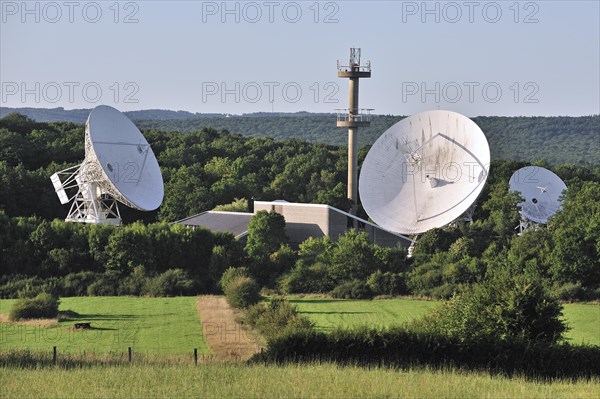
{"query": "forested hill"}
pixel 80 115
pixel 557 140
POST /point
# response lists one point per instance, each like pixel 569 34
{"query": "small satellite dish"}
pixel 424 172
pixel 541 190
pixel 119 165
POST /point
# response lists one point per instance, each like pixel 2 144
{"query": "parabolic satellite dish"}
pixel 541 190
pixel 119 165
pixel 424 172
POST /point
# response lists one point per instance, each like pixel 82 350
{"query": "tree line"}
pixel 208 168
pixel 557 140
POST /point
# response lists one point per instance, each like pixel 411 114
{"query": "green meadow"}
pixel 583 319
pixel 147 325
pixel 170 326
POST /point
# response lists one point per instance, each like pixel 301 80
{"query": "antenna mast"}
pixel 352 118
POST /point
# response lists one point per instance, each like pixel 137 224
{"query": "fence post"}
pixel 129 353
pixel 54 355
pixel 196 356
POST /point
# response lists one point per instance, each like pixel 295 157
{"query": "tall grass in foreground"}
pixel 270 381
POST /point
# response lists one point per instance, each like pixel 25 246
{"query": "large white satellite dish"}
pixel 119 165
pixel 424 172
pixel 541 190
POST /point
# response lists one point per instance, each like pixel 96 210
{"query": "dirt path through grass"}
pixel 227 339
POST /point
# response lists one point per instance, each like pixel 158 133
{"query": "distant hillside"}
pixel 556 139
pixel 80 115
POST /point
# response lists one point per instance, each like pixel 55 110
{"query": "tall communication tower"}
pixel 353 118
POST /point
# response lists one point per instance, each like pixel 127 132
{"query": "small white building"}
pixel 301 222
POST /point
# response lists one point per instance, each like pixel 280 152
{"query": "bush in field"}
pixel 505 307
pixel 276 318
pixel 387 283
pixel 135 283
pixel 242 292
pixel 173 282
pixel 354 257
pixel 19 286
pixel 231 274
pixel 267 271
pixel 307 279
pixel 223 257
pixel 352 290
pixel 43 306
pixel 75 284
pixel 105 285
pixel 571 292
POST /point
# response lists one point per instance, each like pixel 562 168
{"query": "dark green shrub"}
pixel 266 271
pixel 105 285
pixel 354 257
pixel 403 348
pixel 136 283
pixel 222 257
pixel 304 280
pixel 253 314
pixel 75 284
pixel 275 318
pixel 570 292
pixel 507 306
pixel 231 274
pixel 352 290
pixel 43 306
pixel 426 276
pixel 20 286
pixel 444 291
pixel 173 282
pixel 266 233
pixel 242 292
pixel 387 283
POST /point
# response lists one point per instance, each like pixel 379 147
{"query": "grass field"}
pixel 171 325
pixel 159 326
pixel 270 381
pixel 147 325
pixel 584 320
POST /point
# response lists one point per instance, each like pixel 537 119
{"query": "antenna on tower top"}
pixel 354 56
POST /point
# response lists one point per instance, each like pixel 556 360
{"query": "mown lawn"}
pixel 584 320
pixel 276 381
pixel 147 325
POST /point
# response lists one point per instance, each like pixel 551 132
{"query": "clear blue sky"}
pixel 476 58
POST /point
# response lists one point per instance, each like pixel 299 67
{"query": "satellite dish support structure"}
pixel 112 142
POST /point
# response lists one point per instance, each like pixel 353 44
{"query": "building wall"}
pixel 310 220
pixel 301 222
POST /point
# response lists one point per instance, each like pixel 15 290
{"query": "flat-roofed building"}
pixel 301 222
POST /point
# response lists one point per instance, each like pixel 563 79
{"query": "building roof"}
pixel 235 223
